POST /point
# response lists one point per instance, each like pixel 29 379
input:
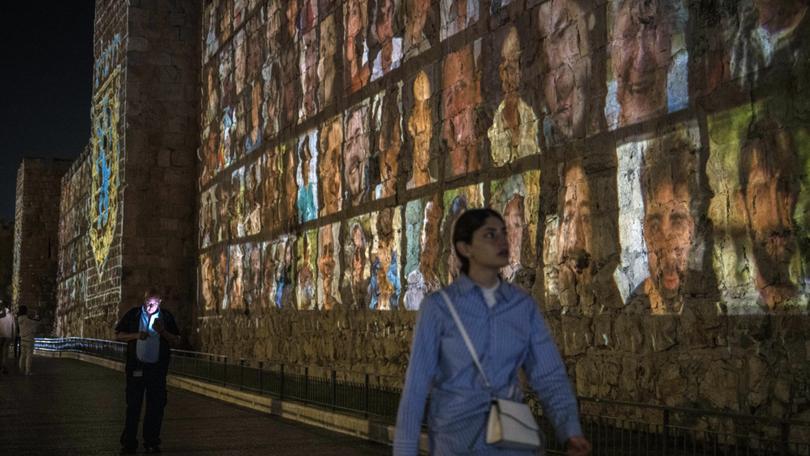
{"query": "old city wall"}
pixel 339 141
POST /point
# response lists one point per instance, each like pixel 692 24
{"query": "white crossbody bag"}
pixel 511 423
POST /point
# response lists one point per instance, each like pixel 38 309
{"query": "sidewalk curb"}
pixel 364 428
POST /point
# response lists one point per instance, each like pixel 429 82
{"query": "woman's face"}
pixel 490 246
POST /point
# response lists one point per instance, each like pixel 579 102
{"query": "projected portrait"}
pixel 210 96
pixel 356 154
pixel 235 284
pixel 420 27
pixel 668 193
pixel 461 94
pixel 288 52
pixel 211 285
pixel 422 231
pixel 330 165
pixel 648 60
pixel 252 276
pixel 307 271
pixel 239 61
pixel 762 33
pixel 759 210
pixel 517 198
pixel 387 134
pixel 769 175
pixel 271 190
pixel 236 208
pixel 384 282
pixel 306 177
pixel 326 61
pixel 253 198
pixel 385 26
pixel 282 290
pixel 289 166
pixel 572 240
pixel 564 56
pixel 208 217
pixel 328 266
pixel 420 129
pixel 223 203
pixel 255 127
pixel 268 296
pixel 308 71
pixel 513 134
pixel 456 201
pixel 271 103
pixel 356 261
pixel 457 15
pixel 356 59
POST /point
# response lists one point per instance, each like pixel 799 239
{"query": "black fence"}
pixel 613 427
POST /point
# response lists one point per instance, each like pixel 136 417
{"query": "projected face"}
pixel 331 140
pixel 460 95
pixel 326 63
pixel 513 216
pixel 574 239
pixel 668 232
pixel 326 264
pixel 641 47
pixel 420 127
pixel 355 156
pixel 564 31
pixel 769 194
pixel 356 52
pixel 509 68
pixel 417 11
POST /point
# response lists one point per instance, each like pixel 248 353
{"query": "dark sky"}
pixel 45 75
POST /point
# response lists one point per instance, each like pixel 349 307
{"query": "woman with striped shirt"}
pixel 507 331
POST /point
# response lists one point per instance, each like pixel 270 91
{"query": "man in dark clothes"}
pixel 149 331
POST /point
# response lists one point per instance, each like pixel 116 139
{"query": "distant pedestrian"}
pixel 7 334
pixel 149 331
pixel 27 322
pixel 506 327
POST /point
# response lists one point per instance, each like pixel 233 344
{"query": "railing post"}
pixel 241 373
pixel 208 377
pixel 365 395
pixel 306 383
pixel 261 377
pixel 225 372
pixel 334 390
pixel 665 433
pixel 281 392
pixel 785 449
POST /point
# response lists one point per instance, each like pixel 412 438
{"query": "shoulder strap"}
pixel 466 338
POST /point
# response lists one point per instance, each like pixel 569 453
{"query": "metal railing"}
pixel 613 427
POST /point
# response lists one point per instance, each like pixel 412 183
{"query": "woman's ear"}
pixel 463 249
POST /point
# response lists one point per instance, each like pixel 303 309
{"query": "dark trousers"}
pixel 153 384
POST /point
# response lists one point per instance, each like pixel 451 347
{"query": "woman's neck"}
pixel 483 277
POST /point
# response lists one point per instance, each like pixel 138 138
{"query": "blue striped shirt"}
pixel 509 335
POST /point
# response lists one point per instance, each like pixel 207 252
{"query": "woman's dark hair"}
pixel 466 225
pixel 23 310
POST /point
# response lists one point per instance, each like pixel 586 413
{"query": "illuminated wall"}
pixel 650 159
pixel 343 140
pixel 127 204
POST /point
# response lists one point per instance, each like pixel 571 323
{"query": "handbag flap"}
pixel 518 412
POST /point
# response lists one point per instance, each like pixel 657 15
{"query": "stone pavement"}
pixel 73 408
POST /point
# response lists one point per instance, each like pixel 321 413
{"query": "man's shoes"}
pixel 152 449
pixel 126 450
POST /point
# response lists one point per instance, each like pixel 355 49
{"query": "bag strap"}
pixel 466 338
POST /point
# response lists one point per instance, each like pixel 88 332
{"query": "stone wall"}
pixel 161 143
pixel 127 202
pixel 36 229
pixel 6 258
pixel 651 160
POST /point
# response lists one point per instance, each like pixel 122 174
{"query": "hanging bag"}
pixel 511 424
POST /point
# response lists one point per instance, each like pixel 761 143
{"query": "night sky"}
pixel 46 72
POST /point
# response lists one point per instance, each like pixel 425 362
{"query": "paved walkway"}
pixel 73 408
